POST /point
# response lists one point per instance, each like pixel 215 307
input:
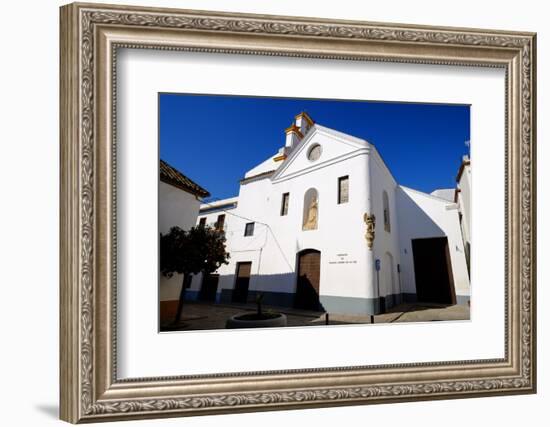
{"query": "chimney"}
pixel 293 136
pixel 304 122
pixel 296 131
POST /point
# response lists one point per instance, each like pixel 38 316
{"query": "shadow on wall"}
pixel 280 290
pixel 300 293
pixel 307 295
pixel 414 222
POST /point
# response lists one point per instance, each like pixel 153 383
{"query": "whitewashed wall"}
pixel 176 208
pixel 386 244
pixel 464 198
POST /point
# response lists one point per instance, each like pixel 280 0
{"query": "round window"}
pixel 314 152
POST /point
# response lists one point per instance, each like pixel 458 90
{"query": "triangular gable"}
pixel 335 145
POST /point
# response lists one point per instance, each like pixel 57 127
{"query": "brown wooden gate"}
pixel 240 293
pixel 209 287
pixel 432 271
pixel 309 275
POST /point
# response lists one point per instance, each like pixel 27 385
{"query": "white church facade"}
pixel 323 225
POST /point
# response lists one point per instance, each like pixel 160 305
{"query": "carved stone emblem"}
pixel 370 220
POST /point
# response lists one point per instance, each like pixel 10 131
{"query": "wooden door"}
pixel 309 276
pixel 209 287
pixel 240 293
pixel 433 271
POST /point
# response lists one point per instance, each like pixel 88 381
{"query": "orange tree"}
pixel 200 249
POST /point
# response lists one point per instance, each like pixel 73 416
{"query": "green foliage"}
pixel 200 249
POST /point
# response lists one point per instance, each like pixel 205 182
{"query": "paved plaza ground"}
pixel 204 316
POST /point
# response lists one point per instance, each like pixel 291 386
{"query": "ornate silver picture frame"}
pixel 91 391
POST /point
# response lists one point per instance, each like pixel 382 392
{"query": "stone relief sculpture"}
pixel 311 220
pixel 311 215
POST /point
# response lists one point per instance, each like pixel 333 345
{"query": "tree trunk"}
pixel 259 306
pixel 184 285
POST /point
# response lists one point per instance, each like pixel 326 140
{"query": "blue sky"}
pixel 215 139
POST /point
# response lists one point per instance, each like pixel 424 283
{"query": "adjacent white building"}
pixel 462 197
pixel 179 204
pixel 322 224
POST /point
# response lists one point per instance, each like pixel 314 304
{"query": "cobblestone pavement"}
pixel 206 316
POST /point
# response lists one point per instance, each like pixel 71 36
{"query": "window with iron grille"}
pixel 249 229
pixel 343 189
pixel 284 204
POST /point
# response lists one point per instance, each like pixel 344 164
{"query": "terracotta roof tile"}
pixel 172 176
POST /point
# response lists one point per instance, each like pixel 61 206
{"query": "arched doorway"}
pixel 309 276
